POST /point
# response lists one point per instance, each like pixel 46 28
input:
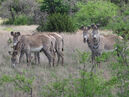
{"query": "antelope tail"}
pixel 62 44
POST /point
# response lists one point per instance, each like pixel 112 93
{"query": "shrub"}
pixel 120 25
pixel 125 10
pixel 58 22
pixel 20 20
pixel 120 69
pixel 95 12
pixel 119 2
pixel 84 86
pixel 20 82
pixel 55 6
pixel 13 9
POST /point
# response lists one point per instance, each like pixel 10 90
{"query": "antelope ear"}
pixel 18 33
pixel 82 27
pixel 10 53
pixel 88 27
pixel 12 33
pixel 92 25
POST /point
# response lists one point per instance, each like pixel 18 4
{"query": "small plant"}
pixel 84 86
pixel 9 41
pixel 103 57
pixel 20 82
pixel 82 57
pixel 120 70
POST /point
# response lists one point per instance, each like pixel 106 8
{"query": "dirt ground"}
pixel 73 42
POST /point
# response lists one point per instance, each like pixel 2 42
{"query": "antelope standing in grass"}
pixel 33 43
pixel 16 37
pixel 98 42
pixel 57 40
pixel 58 45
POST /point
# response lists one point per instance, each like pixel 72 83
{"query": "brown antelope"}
pixel 58 45
pixel 34 43
pixel 53 51
pixel 98 42
pixel 16 37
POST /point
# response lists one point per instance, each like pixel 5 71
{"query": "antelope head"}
pixel 85 33
pixel 95 33
pixel 15 37
pixel 13 57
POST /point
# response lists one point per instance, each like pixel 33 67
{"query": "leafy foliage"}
pixel 119 2
pixel 55 6
pixel 20 20
pixel 58 22
pixel 121 70
pixel 85 86
pixel 20 82
pixel 120 25
pixel 95 12
pixel 13 9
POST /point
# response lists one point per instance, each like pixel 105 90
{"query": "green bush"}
pixel 120 25
pixel 58 22
pixel 84 86
pixel 125 10
pixel 20 82
pixel 119 2
pixel 55 6
pixel 19 20
pixel 95 12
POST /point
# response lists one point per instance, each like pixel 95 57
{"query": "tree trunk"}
pixel 12 14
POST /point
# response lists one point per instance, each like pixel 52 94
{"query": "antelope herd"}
pixel 52 44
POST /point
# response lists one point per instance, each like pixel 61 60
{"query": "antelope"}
pixel 58 44
pixel 98 42
pixel 16 37
pixel 53 51
pixel 59 47
pixel 33 43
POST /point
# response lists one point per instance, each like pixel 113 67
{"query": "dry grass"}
pixel 43 74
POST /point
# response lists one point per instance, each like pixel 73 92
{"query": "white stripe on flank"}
pixel 36 49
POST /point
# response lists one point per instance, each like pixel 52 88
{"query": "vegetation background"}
pixel 74 79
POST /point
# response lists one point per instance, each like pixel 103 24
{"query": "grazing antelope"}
pixel 98 42
pixel 34 43
pixel 16 37
pixel 58 44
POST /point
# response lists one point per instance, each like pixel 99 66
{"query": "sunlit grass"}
pixel 2 20
pixel 8 29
